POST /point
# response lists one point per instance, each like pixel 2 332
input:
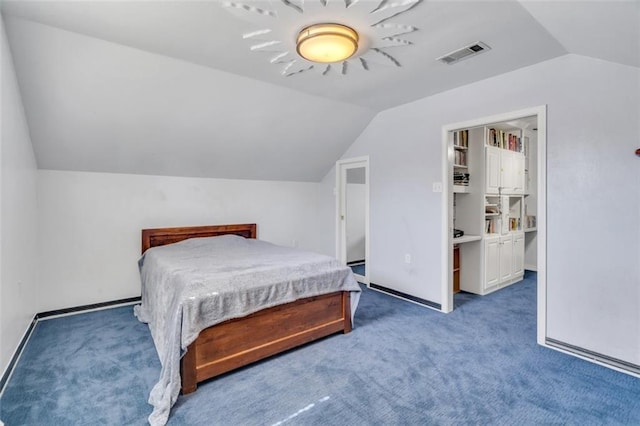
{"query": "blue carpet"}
pixel 402 364
pixel 358 269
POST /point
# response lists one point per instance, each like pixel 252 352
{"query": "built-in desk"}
pixel 466 239
pixel 456 258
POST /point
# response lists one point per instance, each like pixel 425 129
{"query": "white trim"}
pixel 26 336
pixel 541 224
pixel 446 238
pixel 341 167
pixel 405 299
pixel 84 311
pixel 447 210
pixel 591 360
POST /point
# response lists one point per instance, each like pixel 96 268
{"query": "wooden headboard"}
pixel 162 236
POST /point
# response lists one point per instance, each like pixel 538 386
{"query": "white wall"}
pixel 90 224
pixel 18 244
pixel 593 252
pixel 100 106
pixel 327 214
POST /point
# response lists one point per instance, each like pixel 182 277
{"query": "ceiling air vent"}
pixel 465 52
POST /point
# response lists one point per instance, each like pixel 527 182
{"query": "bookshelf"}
pixel 504 160
pixel 504 187
pixel 508 138
pixel 461 160
pixel 468 166
pixel 492 215
pixel 489 201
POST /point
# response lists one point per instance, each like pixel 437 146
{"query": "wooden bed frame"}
pixel 238 342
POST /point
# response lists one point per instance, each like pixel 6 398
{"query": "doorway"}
pixel 352 218
pixel 537 116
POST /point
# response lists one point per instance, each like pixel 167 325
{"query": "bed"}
pixel 214 346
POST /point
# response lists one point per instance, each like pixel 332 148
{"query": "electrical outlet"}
pixel 294 243
pixel 437 186
pixel 407 258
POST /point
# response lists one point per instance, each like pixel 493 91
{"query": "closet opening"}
pixel 352 219
pixel 494 198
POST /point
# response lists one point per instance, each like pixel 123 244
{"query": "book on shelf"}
pixel 530 221
pixel 491 209
pixel 460 158
pixel 461 138
pixel 461 179
pixel 491 226
pixel 504 139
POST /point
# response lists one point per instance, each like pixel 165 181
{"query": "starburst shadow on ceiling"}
pixel 279 21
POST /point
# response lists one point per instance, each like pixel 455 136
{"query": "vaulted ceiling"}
pixel 173 88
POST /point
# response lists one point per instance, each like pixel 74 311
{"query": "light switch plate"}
pixel 437 186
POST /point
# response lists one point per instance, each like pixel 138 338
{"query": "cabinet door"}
pixel 506 257
pixel 492 169
pixel 506 172
pixel 518 254
pixel 491 262
pixel 518 173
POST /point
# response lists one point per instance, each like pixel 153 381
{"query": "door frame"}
pixel 447 207
pixel 341 184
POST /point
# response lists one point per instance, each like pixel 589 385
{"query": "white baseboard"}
pixel 15 357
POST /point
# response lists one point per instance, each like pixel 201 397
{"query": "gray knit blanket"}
pixel 196 283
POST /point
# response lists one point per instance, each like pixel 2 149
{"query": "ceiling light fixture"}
pixel 327 43
pixel 272 22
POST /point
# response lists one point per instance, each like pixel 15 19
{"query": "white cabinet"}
pixel 492 205
pixel 518 173
pixel 491 262
pixel 492 170
pixel 507 171
pixel 503 260
pixel 518 254
pixel 512 168
pixel 506 257
pixel 504 171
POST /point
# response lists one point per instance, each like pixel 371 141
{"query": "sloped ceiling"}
pixel 172 88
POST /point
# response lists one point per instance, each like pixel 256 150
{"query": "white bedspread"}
pixel 194 284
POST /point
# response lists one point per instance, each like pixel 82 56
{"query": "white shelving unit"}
pixel 491 205
pixel 461 161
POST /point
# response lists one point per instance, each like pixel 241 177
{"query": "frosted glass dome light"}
pixel 327 43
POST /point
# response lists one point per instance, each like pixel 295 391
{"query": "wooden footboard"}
pixel 235 343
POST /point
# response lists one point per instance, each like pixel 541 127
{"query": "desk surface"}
pixel 466 239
